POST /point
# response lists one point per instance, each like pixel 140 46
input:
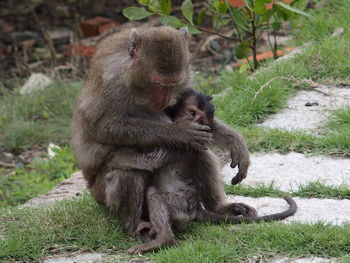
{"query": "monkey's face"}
pixel 161 66
pixel 191 113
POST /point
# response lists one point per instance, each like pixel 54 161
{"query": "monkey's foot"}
pixel 244 210
pixel 238 209
pixel 152 245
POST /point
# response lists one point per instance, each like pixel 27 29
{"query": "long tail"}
pixel 207 216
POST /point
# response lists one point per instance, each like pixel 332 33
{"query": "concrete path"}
pixel 310 210
pixel 309 109
pixel 288 172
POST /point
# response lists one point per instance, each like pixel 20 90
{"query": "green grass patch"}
pixel 39 117
pixel 259 191
pixel 339 121
pixel 33 233
pixel 312 190
pixel 242 243
pixel 335 142
pixel 30 234
pixel 38 178
pixel 323 21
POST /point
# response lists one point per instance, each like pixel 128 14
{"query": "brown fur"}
pixel 121 105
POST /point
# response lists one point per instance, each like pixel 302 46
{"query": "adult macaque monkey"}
pixel 134 76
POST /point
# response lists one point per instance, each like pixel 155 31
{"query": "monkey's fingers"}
pixel 234 159
pixel 245 210
pixel 204 136
pixel 242 171
pixel 201 127
pixel 138 249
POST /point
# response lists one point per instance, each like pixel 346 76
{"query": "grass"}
pixel 335 142
pixel 81 225
pixel 38 178
pixel 311 190
pixel 69 226
pixel 37 118
pixel 32 233
pixel 248 100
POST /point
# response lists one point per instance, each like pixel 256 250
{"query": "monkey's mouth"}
pixel 160 97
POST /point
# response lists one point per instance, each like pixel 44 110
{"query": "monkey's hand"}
pixel 240 158
pixel 229 139
pixel 192 135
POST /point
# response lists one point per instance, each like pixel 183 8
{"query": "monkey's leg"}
pixel 211 187
pixel 161 221
pixel 128 158
pixel 183 207
pixel 123 193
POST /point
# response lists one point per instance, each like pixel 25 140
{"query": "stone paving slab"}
pixel 78 258
pixel 303 260
pixel 87 257
pixel 290 170
pixel 312 210
pixel 69 188
pixel 297 116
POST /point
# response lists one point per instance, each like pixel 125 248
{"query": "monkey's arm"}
pixel 127 159
pixel 229 139
pixel 142 132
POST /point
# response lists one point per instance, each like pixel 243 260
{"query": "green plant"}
pixel 249 18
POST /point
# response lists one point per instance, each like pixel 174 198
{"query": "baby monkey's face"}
pixel 191 112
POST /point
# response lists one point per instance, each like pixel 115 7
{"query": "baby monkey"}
pixel 172 197
pixel 193 106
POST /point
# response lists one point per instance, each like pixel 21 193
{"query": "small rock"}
pixel 337 32
pixel 61 11
pixel 28 43
pixel 21 159
pixel 60 36
pixel 309 104
pixel 228 68
pixel 5 27
pixel 52 149
pixel 37 81
pixel 215 45
pixel 90 27
pixel 6 157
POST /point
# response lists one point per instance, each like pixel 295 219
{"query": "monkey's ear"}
pixel 184 31
pixel 209 98
pixel 134 42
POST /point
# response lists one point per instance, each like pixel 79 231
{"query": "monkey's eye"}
pixel 201 122
pixel 192 113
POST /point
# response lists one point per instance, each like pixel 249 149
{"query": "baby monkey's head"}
pixel 193 106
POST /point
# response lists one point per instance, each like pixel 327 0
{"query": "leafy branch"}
pixel 250 18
